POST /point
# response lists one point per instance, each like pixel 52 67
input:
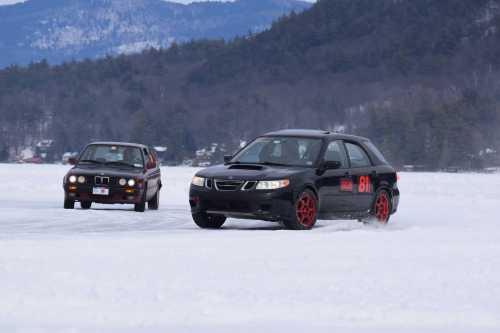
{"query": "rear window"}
pixel 376 152
pixel 357 156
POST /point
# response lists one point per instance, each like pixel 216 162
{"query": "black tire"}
pixel 154 203
pixel 208 221
pixel 381 208
pixel 86 204
pixel 69 204
pixel 305 212
pixel 140 207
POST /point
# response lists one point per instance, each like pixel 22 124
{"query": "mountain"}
pixel 59 30
pixel 420 78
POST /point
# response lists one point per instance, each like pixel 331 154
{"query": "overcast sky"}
pixel 8 2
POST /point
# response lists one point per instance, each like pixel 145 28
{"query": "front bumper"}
pixel 273 205
pixel 117 194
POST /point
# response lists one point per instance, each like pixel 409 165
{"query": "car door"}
pixel 152 173
pixel 363 175
pixel 335 186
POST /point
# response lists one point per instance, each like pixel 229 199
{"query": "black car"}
pixel 114 173
pixel 295 177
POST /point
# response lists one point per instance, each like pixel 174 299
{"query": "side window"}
pixel 146 155
pixel 335 153
pixel 153 157
pixel 149 156
pixel 357 156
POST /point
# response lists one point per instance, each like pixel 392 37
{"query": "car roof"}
pixel 320 134
pixel 111 143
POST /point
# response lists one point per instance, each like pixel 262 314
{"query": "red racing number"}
pixel 364 184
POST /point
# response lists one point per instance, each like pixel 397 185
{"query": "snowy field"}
pixel 435 268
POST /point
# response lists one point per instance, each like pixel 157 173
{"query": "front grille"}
pixel 101 180
pixel 228 185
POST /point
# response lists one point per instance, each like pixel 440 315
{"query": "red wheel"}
pixel 382 207
pixel 306 210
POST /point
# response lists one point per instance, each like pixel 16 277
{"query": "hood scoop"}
pixel 246 167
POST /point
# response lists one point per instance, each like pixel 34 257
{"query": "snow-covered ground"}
pixel 435 268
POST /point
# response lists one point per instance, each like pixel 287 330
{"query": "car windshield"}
pixel 113 155
pixel 286 151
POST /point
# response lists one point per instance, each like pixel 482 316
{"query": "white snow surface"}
pixel 435 268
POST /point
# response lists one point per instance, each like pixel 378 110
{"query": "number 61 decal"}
pixel 365 185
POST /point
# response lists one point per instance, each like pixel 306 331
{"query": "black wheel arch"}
pixel 385 185
pixel 304 187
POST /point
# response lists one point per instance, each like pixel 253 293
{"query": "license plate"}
pixel 100 191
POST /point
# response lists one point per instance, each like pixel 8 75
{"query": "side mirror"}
pixel 72 161
pixel 331 165
pixel 228 158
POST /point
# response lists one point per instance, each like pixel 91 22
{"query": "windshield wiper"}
pixel 121 163
pixel 89 161
pixel 272 163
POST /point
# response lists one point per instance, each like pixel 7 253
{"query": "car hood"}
pixel 250 172
pixel 105 171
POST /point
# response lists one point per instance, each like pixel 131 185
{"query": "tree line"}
pixel 417 77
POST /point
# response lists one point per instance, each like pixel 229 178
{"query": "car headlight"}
pixel 272 184
pixel 122 182
pixel 131 182
pixel 81 179
pixel 198 181
pixel 72 179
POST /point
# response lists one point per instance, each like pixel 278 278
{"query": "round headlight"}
pixel 131 182
pixel 72 179
pixel 122 182
pixel 198 181
pixel 81 180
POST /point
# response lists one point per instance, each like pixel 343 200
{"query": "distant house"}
pixel 40 153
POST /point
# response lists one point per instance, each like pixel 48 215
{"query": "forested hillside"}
pixel 420 78
pixel 62 30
